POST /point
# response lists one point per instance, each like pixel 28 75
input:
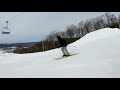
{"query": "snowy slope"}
pixel 99 56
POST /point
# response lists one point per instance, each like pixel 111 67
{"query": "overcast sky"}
pixel 32 26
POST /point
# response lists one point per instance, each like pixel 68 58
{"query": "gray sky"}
pixel 32 26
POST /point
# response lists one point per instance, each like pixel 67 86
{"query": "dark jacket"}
pixel 61 41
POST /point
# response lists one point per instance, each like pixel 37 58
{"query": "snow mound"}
pixel 97 35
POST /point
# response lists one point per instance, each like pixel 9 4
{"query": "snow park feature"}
pixel 99 57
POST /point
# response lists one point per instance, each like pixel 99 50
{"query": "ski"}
pixel 64 57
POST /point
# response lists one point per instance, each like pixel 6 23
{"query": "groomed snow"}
pixel 99 56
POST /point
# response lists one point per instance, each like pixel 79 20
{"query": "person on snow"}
pixel 63 46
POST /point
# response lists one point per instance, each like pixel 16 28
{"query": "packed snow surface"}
pixel 99 57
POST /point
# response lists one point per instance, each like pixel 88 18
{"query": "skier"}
pixel 63 46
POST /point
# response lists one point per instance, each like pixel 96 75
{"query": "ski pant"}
pixel 65 51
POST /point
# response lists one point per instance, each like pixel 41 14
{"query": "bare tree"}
pixel 69 31
pixel 81 28
pixel 119 21
pixel 111 19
